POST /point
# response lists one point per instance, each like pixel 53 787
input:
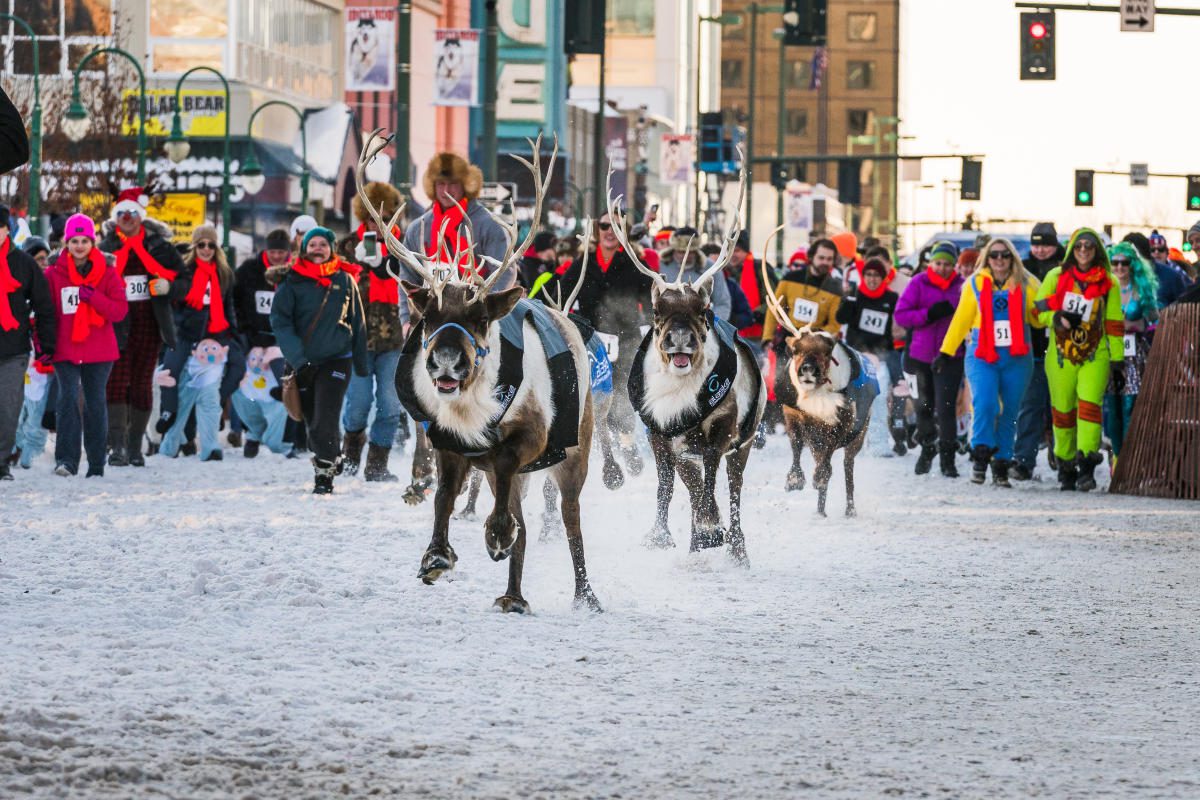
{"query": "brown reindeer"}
pixel 502 383
pixel 826 389
pixel 698 388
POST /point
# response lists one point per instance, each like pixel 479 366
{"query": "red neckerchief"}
pixel 8 285
pixel 883 285
pixel 86 317
pixel 939 282
pixel 604 265
pixel 1096 283
pixel 455 242
pixel 318 272
pixel 137 244
pixel 206 277
pixel 380 290
pixel 986 347
pixel 749 283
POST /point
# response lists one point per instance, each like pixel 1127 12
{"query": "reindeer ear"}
pixel 501 303
pixel 418 296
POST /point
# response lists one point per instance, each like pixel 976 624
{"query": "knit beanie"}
pixel 278 239
pixel 204 232
pixel 846 243
pixel 876 265
pixel 1044 233
pixel 34 245
pixel 945 251
pixel 324 233
pixel 1194 229
pixel 1157 238
pixel 79 225
pixel 543 240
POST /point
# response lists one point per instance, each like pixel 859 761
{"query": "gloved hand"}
pixel 1116 372
pixel 1067 321
pixel 159 287
pixel 276 393
pixel 86 292
pixel 940 310
pixel 360 255
pixel 940 363
pixel 45 361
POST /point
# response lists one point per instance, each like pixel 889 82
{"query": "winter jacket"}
pixel 191 324
pixel 158 245
pixel 694 269
pixel 1104 327
pixel 912 311
pixel 1039 269
pixel 32 296
pixel 810 299
pixel 108 300
pixel 967 316
pixel 253 295
pixel 868 320
pixel 14 143
pixel 490 240
pixel 615 300
pixel 740 314
pixel 385 332
pixel 1171 284
pixel 530 268
pixel 340 331
pixel 750 278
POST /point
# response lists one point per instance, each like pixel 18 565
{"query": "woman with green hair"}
pixel 1139 291
pixel 1081 304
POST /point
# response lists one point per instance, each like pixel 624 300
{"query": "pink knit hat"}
pixel 79 225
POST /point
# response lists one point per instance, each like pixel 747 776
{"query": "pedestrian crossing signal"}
pixel 1193 192
pixel 1084 178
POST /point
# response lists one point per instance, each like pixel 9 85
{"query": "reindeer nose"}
pixel 448 360
pixel 681 338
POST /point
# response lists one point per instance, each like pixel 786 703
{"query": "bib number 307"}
pixel 137 288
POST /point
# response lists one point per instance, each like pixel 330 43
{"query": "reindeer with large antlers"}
pixel 698 388
pixel 502 383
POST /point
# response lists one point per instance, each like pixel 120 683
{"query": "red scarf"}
pixel 986 348
pixel 749 283
pixel 86 317
pixel 380 290
pixel 318 272
pixel 883 285
pixel 137 244
pixel 1096 283
pixel 604 265
pixel 455 242
pixel 940 282
pixel 206 277
pixel 8 285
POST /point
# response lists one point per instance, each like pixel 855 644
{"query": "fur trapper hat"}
pixel 453 167
pixel 383 196
pixel 686 240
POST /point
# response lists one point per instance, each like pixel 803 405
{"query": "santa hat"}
pixel 133 199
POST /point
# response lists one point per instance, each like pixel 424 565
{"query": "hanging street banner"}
pixel 203 113
pixel 675 158
pixel 455 68
pixel 370 49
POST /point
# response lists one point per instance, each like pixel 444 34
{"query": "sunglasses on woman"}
pixel 1084 244
pixel 1159 250
pixel 1007 256
pixel 1120 262
pixel 206 245
pixel 604 226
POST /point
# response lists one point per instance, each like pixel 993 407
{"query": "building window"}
pixel 186 34
pixel 66 31
pixel 798 74
pixel 288 46
pixel 857 121
pixel 860 74
pixel 630 18
pixel 732 73
pixel 796 122
pixel 861 27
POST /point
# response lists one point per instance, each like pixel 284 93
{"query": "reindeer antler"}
pixel 729 240
pixel 781 315
pixel 617 220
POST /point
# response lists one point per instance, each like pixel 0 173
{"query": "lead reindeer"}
pixel 498 379
pixel 698 388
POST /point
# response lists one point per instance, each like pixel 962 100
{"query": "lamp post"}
pixel 76 123
pixel 178 147
pixel 35 131
pixel 722 20
pixel 252 174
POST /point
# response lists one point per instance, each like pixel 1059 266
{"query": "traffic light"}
pixel 804 22
pixel 583 27
pixel 1037 46
pixel 849 177
pixel 972 177
pixel 1084 178
pixel 1193 193
pixel 780 174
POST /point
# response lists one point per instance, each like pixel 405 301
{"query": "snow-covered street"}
pixel 212 630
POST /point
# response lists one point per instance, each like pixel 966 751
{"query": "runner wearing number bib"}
pixel 996 315
pixel 1138 284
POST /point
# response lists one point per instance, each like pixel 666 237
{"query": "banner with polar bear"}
pixel 456 67
pixel 370 49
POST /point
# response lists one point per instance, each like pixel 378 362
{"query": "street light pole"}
pixel 779 148
pixel 491 66
pixel 401 176
pixel 750 104
pixel 35 131
pixel 75 125
pixel 178 147
pixel 248 169
pixel 701 177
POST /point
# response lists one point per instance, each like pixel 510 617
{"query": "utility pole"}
pixel 491 66
pixel 600 165
pixel 779 148
pixel 401 174
pixel 750 114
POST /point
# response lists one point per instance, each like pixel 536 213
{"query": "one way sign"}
pixel 1137 15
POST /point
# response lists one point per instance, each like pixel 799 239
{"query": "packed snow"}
pixel 212 630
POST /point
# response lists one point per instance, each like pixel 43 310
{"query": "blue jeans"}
pixel 996 392
pixel 207 403
pixel 264 421
pixel 1034 417
pixel 379 384
pixel 82 412
pixel 1118 412
pixel 31 436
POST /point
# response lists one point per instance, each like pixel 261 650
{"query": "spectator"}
pixel 1139 291
pixel 685 256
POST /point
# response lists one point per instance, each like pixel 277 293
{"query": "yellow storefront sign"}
pixel 182 212
pixel 203 112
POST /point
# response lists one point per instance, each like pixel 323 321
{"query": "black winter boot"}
pixel 118 425
pixel 947 454
pixel 1000 472
pixel 980 455
pixel 925 459
pixel 138 421
pixel 377 465
pixel 1020 472
pixel 352 447
pixel 1067 475
pixel 250 449
pixel 1087 471
pixel 323 472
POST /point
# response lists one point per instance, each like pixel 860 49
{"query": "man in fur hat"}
pixel 453 186
pixel 685 255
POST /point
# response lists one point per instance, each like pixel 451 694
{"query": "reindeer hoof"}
pixel 659 539
pixel 512 605
pixel 467 513
pixel 705 538
pixel 614 478
pixel 435 564
pixel 795 482
pixel 414 495
pixel 500 534
pixel 587 599
pixel 738 554
pixel 633 461
pixel 851 512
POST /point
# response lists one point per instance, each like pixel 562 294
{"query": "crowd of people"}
pixel 984 353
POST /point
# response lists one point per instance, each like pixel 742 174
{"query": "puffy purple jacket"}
pixel 927 336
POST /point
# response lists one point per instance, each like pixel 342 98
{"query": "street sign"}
pixel 1139 174
pixel 497 193
pixel 1137 16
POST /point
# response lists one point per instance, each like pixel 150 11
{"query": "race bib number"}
pixel 442 272
pixel 137 288
pixel 263 302
pixel 873 321
pixel 1130 345
pixel 805 310
pixel 70 299
pixel 910 380
pixel 1074 303
pixel 1002 330
pixel 611 344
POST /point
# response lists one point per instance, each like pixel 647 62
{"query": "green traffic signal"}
pixel 1084 197
pixel 1194 202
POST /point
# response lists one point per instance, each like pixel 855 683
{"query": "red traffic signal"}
pixel 1037 30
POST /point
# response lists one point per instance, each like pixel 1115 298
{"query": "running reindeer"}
pixel 826 391
pixel 698 388
pixel 502 383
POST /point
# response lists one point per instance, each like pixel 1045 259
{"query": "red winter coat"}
pixel 109 300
